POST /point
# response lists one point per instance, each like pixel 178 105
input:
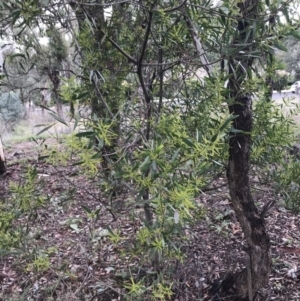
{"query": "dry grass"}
pixel 35 121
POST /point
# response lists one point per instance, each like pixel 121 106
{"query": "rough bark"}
pixel 246 283
pixel 251 221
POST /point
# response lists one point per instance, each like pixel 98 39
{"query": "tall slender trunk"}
pixel 248 282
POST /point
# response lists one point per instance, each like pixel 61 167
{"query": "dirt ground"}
pixel 84 264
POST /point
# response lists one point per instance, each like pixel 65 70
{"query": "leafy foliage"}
pixel 274 131
pixel 286 178
pixel 11 108
pixel 25 199
pixel 133 141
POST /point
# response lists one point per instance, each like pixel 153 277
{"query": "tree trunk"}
pixel 2 159
pixel 249 281
pixel 54 77
pixel 245 284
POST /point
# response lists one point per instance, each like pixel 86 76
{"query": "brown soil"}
pixel 86 265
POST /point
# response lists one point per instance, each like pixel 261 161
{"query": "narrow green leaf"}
pixel 22 67
pixel 294 34
pixel 46 108
pixel 285 13
pixel 40 158
pixel 100 143
pixel 254 53
pixel 269 49
pixel 233 70
pixel 188 142
pixel 86 209
pixel 110 230
pixel 236 131
pixel 214 137
pixel 45 129
pixel 76 122
pixel 34 140
pixel 77 163
pixel 59 119
pixel 30 68
pixel 280 46
pixel 223 19
pixel 85 134
pixel 154 166
pixel 145 165
pixel 175 155
pixel 218 163
pixel 17 55
pixel 97 155
pixel 227 121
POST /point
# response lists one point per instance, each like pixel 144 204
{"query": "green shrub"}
pixel 286 181
pixel 280 82
pixel 11 107
pixel 24 199
pixel 274 132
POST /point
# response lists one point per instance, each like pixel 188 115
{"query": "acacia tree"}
pixel 240 64
pixel 157 46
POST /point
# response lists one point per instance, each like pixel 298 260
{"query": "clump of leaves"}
pixel 25 198
pixel 41 263
pixel 185 150
pixel 78 148
pixel 161 289
pixel 274 130
pixel 26 195
pixel 287 179
pixel 273 134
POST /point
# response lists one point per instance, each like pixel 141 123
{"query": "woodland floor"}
pixel 84 267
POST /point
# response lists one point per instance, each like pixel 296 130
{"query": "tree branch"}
pixel 175 8
pixel 200 51
pixel 131 59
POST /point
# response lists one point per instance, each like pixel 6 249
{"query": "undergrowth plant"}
pixel 274 131
pixel 286 179
pixel 25 198
pixel 41 263
pixel 187 148
pixel 274 135
pixel 169 90
pixel 182 156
